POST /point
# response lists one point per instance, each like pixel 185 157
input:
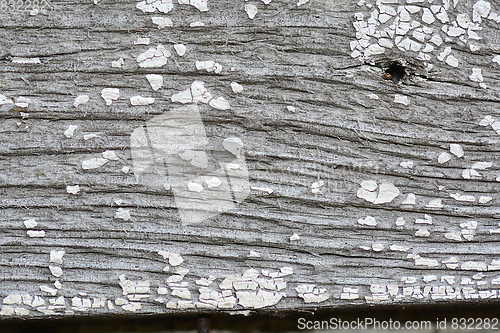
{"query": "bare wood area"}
pixel 310 179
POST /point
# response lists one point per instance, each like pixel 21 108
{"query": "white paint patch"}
pixel 410 199
pixel 154 57
pixel 310 294
pixel 474 266
pixel 349 293
pixel 36 233
pixel 302 2
pixel 482 165
pixel 369 220
pixel 434 203
pixel 253 254
pixel 162 22
pixel 209 66
pixel 251 11
pixel 56 271
pixel 142 41
pixel 30 224
pixel 49 290
pixel 123 214
pixel 174 259
pixel 294 237
pixel 233 145
pixel 377 247
pixel 236 87
pixel 386 192
pixel 456 150
pixel 422 232
pixel 262 189
pixel 196 24
pixel 110 94
pixel 213 182
pixel 454 235
pixel 399 248
pixel 485 199
pixel 21 60
pixel 89 136
pixel 80 100
pixel 463 197
pixel 117 63
pixel 443 158
pixel 219 103
pixel 155 80
pixel 194 187
pixel 23 102
pixel 110 155
pixel 496 59
pixel 406 164
pixel 431 263
pixel 94 163
pixel 73 189
pixel 180 49
pixel 56 256
pixel 5 100
pixel 400 221
pixel 70 131
pixel 139 100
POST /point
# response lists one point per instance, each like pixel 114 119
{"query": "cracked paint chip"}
pixel 149 6
pixel 155 80
pixel 80 100
pixel 162 22
pixel 369 220
pixel 310 294
pixel 154 57
pixel 174 259
pixel 70 131
pixel 110 94
pixel 139 100
pixel 73 189
pixel 180 49
pixel 209 66
pixel 123 214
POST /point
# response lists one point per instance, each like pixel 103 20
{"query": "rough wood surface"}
pixel 349 125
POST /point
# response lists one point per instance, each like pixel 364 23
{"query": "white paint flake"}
pixel 209 66
pixel 154 57
pixel 482 165
pixel 117 63
pixel 5 100
pixel 36 233
pixel 399 248
pixel 213 182
pixel 476 75
pixel 21 60
pixel 496 59
pixel 162 22
pixel 155 80
pixel 485 199
pixel 236 87
pixel 123 214
pixel 56 271
pixel 377 247
pixel 434 203
pixel 302 2
pixel 180 49
pixel 30 224
pixel 406 164
pixel 233 145
pixel 474 266
pixel 253 254
pixel 469 173
pixel 89 136
pixel 110 94
pixel 452 61
pixel 294 237
pixel 431 263
pixel 142 41
pixel 94 163
pixel 443 158
pixel 139 100
pixel 80 100
pixel 310 294
pixel 386 192
pixel 251 11
pixel 219 103
pixel 401 99
pixel 427 16
pixel 110 155
pixel 262 189
pixel 194 187
pixel 196 24
pixel 349 293
pixel 410 199
pixel 49 290
pixel 400 221
pixel 369 220
pixel 56 256
pixel 422 232
pixel 73 189
pixel 70 131
pixel 174 259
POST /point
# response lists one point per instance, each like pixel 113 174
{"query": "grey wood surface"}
pixel 300 210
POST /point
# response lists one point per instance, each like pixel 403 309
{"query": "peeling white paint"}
pixel 110 94
pixel 456 150
pixel 155 80
pixel 161 22
pixel 410 199
pixel 80 100
pixel 117 63
pixel 369 220
pixel 73 189
pixel 434 203
pixel 21 60
pixel 30 224
pixel 443 158
pixel 70 131
pixel 139 100
pixel 154 57
pixel 56 256
pixel 180 49
pixel 251 11
pixel 36 233
pixel 236 87
pixel 123 214
pixel 56 271
pixel 262 189
pixel 142 41
pixel 94 163
pixel 219 103
pixel 401 99
pixel 174 259
pixel 294 237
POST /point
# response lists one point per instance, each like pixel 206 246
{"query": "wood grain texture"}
pixel 286 56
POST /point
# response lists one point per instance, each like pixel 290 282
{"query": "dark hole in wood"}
pixel 396 72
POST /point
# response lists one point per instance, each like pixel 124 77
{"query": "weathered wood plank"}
pixel 347 127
